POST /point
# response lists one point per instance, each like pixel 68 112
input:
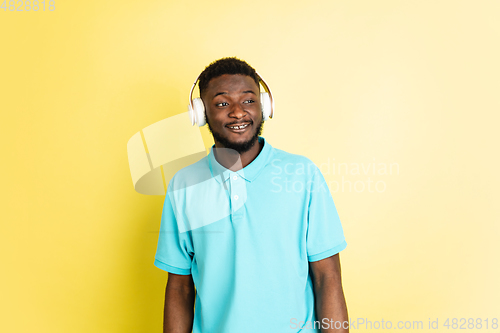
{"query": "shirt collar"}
pixel 249 173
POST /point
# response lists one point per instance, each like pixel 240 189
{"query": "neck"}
pixel 234 161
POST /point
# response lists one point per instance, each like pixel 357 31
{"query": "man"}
pixel 252 227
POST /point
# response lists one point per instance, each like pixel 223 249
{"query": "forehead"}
pixel 231 82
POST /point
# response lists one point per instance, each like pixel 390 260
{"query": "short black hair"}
pixel 230 65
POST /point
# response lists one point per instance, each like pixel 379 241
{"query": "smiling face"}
pixel 233 111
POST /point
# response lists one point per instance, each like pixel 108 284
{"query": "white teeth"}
pixel 239 127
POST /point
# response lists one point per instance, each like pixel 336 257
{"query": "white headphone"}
pixel 197 109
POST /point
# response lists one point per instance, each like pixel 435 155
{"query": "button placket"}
pixel 238 192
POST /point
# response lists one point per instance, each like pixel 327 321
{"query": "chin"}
pixel 238 142
pixel 239 138
pixel 241 145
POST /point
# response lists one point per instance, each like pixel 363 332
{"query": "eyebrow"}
pixel 220 93
pixel 244 92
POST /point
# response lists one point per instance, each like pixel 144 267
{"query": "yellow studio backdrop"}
pixel 396 101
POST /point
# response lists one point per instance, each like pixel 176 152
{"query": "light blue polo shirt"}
pixel 247 238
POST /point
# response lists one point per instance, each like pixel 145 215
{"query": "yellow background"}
pixel 414 83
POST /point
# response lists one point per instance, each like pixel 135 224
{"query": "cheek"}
pixel 258 113
pixel 215 118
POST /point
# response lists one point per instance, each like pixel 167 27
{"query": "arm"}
pixel 179 304
pixel 329 296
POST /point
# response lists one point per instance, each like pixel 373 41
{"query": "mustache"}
pixel 240 123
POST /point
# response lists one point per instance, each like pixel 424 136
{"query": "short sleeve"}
pixel 325 236
pixel 174 251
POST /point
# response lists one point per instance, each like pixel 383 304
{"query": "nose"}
pixel 237 111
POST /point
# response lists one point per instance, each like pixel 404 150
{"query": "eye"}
pixel 221 104
pixel 248 101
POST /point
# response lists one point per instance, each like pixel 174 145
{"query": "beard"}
pixel 239 147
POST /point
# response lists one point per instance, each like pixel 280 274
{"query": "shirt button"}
pixel 236 197
pixel 235 177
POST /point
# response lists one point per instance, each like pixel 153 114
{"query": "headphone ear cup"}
pixel 191 115
pixel 199 112
pixel 265 104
